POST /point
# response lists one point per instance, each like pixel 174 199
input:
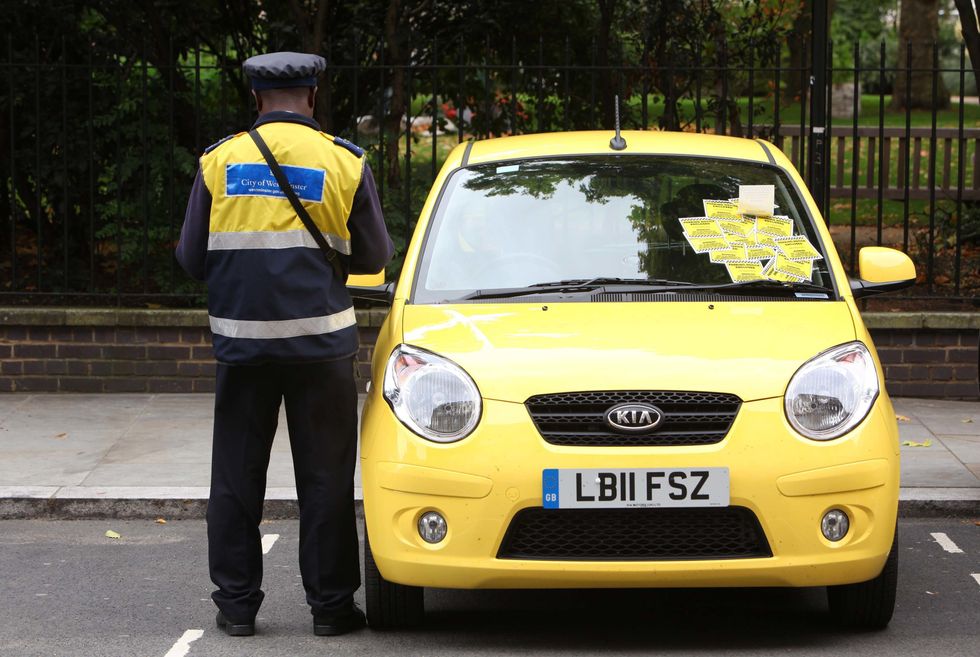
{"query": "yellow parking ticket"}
pixel 744 270
pixel 740 240
pixel 787 278
pixel 701 227
pixel 719 209
pixel 741 226
pixel 707 244
pixel 797 247
pixel 777 225
pixel 772 274
pixel 727 255
pixel 802 269
pixel 759 252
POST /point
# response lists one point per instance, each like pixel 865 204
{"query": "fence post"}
pixel 434 126
pixel 37 162
pixel 960 165
pixel 818 113
pixel 64 159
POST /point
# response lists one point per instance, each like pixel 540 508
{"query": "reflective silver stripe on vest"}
pixel 286 328
pixel 267 239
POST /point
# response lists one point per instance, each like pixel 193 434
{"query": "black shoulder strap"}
pixel 328 251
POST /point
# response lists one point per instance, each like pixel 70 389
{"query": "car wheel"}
pixel 867 605
pixel 390 605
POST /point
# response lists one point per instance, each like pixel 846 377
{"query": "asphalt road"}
pixel 67 589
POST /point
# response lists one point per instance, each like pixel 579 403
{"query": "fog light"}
pixel 834 525
pixel 432 527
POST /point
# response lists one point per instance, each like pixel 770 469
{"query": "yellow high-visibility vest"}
pixel 271 294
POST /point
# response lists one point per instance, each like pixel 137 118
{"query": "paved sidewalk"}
pixel 137 455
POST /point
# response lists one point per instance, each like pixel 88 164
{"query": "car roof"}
pixel 596 142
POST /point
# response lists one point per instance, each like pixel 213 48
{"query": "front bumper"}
pixel 480 483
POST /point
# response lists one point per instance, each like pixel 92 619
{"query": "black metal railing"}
pixel 97 156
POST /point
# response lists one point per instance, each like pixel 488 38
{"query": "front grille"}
pixel 634 534
pixel 577 418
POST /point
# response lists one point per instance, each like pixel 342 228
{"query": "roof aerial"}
pixel 617 143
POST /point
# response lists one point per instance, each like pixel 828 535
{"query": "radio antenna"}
pixel 617 143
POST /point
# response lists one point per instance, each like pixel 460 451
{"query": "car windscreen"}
pixel 634 219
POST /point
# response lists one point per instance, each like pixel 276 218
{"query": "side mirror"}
pixel 882 270
pixel 371 287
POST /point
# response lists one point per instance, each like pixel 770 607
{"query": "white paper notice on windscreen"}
pixel 757 199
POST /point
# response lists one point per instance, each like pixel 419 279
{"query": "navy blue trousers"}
pixel 321 414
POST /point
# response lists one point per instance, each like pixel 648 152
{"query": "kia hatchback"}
pixel 629 367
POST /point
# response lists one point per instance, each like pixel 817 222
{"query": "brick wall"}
pixel 86 350
pixel 928 354
pixel 105 359
pixel 59 350
pixel 927 362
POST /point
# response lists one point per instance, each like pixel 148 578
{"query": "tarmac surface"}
pixel 139 455
pixel 70 591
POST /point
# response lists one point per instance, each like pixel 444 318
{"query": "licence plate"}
pixel 636 488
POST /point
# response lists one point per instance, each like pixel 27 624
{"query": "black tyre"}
pixel 390 606
pixel 867 605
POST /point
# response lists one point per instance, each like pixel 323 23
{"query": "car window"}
pixel 532 222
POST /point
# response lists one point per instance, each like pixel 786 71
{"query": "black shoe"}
pixel 234 629
pixel 339 622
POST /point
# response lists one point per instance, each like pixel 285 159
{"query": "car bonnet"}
pixel 516 350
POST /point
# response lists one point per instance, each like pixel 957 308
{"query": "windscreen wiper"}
pixel 781 287
pixel 609 280
pixel 539 288
pixel 570 286
pixel 590 285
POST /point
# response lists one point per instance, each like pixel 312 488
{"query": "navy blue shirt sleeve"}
pixel 371 247
pixel 192 249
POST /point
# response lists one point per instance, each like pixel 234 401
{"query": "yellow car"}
pixel 630 364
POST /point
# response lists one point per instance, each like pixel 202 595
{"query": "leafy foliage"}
pixel 105 105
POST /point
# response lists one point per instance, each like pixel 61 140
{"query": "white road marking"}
pixel 976 576
pixel 183 644
pixel 268 540
pixel 946 543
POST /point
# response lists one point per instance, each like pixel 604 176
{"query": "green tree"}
pixel 918 25
pixel 971 35
pixel 859 22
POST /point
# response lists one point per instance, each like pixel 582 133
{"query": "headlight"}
pixel 431 395
pixel 832 392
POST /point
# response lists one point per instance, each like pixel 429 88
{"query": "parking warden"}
pixel 275 258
